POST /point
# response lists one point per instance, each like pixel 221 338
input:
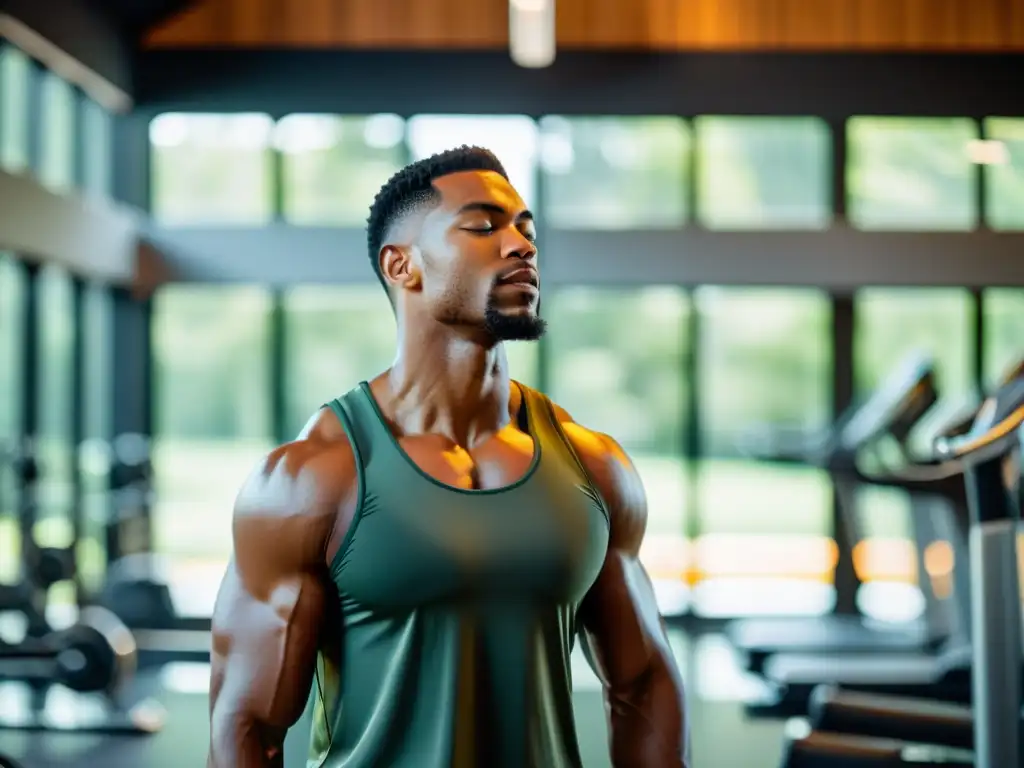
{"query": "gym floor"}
pixel 722 736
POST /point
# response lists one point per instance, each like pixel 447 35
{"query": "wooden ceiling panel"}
pixel 883 25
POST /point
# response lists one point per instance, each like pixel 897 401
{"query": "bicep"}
pixel 621 626
pixel 265 639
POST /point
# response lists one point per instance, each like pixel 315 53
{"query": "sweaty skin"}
pixel 455 414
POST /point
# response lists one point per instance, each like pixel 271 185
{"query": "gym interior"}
pixel 782 267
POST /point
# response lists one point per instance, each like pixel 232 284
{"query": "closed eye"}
pixel 489 229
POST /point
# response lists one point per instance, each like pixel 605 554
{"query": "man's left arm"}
pixel 622 630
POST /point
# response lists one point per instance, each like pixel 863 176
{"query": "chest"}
pixel 497 463
pixel 425 532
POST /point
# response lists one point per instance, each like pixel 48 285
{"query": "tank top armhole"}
pixel 341 411
pixel 552 418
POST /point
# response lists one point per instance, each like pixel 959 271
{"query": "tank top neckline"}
pixel 531 424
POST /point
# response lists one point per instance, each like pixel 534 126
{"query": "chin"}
pixel 514 324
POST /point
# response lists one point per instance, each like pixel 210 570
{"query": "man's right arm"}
pixel 267 619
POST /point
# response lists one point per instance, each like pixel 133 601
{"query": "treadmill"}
pixel 900 731
pixel 945 676
pixel 893 410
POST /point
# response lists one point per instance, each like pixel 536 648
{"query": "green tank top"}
pixel 459 608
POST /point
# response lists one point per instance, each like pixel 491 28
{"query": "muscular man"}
pixel 426 553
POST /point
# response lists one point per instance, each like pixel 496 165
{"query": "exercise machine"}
pixel 135 588
pixel 893 410
pixel 989 457
pixel 946 675
pixel 835 710
pixel 812 749
pixel 132 587
pixel 791 676
pixel 943 673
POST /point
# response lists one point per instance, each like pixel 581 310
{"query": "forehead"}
pixel 458 189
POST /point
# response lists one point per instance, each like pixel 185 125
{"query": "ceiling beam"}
pixel 840 259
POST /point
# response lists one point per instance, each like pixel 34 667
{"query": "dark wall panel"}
pixel 832 85
pixel 76 40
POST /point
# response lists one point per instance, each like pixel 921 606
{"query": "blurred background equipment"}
pixel 780 256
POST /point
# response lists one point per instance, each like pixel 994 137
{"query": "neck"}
pixel 446 382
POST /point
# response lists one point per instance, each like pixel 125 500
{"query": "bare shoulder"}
pixel 288 509
pixel 612 472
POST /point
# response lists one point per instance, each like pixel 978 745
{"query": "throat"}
pixel 444 384
pixel 467 416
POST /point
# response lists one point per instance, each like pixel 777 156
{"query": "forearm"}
pixel 237 741
pixel 647 722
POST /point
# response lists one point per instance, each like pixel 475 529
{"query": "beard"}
pixel 503 326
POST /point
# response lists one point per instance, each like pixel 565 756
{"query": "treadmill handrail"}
pixel 1000 438
pixel 915 473
pixel 913 380
pixel 1011 374
pixel 943 480
pixel 895 400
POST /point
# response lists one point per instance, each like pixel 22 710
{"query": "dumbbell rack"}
pixel 71 679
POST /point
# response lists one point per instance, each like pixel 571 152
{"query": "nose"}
pixel 517 246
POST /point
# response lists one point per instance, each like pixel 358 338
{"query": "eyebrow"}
pixel 493 208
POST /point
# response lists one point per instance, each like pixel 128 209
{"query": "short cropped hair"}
pixel 413 187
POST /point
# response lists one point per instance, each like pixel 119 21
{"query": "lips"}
pixel 522 276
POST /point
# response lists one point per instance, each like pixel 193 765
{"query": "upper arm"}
pixel 620 621
pixel 267 618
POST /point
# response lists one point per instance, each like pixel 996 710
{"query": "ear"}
pixel 398 265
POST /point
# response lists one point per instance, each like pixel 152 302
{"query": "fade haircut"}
pixel 413 188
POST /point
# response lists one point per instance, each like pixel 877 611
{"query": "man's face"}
pixel 479 259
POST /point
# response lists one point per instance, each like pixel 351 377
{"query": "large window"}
pixel 212 169
pixel 617 365
pixel 15 79
pixel 57 156
pixel 764 368
pixel 1004 332
pixel 890 325
pixel 97 421
pixel 335 338
pixel 763 172
pixel 97 162
pixel 1003 344
pixel 1004 182
pixel 212 424
pixel 54 406
pixel 12 295
pixel 614 172
pixel 333 166
pixel 911 173
pixel 513 138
